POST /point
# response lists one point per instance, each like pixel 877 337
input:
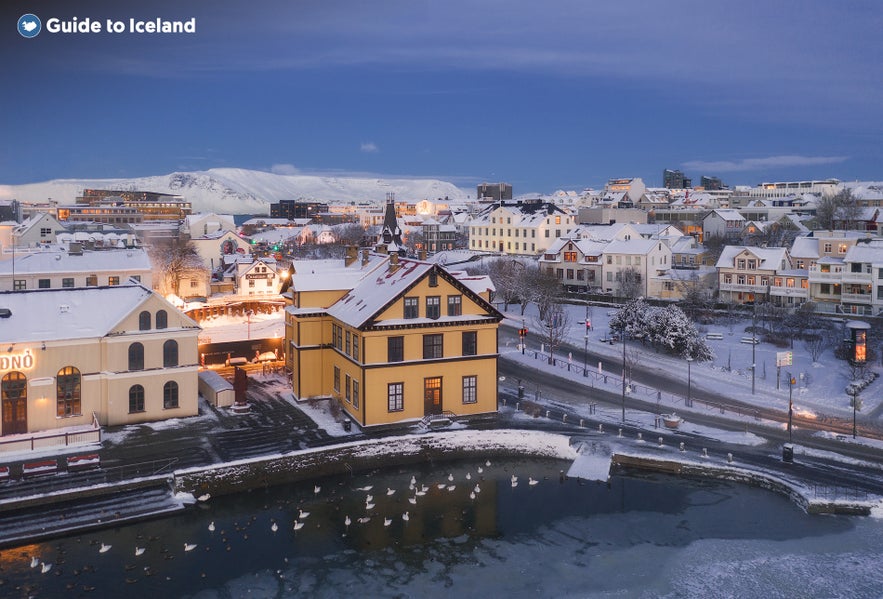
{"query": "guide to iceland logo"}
pixel 29 25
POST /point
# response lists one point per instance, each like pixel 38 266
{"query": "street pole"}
pixel 790 404
pixel 689 383
pixel 753 346
pixel 623 375
pixel 586 346
pixel 521 333
pixel 854 405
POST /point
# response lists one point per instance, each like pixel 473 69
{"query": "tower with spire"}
pixel 391 233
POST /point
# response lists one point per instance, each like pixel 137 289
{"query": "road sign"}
pixel 784 358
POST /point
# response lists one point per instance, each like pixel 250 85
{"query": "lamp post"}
pixel 623 374
pixel 689 383
pixel 587 324
pixel 753 346
pixel 791 382
pixel 854 407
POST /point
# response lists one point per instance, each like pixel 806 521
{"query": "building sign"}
pixel 17 361
pixel 258 275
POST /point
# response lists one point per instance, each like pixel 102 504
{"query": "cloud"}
pixel 369 147
pixel 753 164
pixel 284 169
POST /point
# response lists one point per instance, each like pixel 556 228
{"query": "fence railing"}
pixel 45 440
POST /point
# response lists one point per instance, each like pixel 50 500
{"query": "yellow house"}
pixel 107 355
pixel 408 340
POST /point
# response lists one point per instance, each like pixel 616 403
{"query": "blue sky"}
pixel 560 94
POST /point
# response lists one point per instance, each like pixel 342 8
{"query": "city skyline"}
pixel 562 95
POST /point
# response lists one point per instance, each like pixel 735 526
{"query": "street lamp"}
pixel 588 323
pixel 791 382
pixel 854 407
pixel 623 374
pixel 753 346
pixel 689 383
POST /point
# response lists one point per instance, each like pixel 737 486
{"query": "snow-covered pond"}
pixel 465 530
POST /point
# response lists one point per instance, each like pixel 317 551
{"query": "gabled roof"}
pixel 864 253
pixel 63 314
pixel 374 294
pixel 330 275
pixel 639 247
pixel 768 258
pixel 727 214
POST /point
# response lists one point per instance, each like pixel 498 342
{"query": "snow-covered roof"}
pixel 768 258
pixel 805 247
pixel 215 381
pixel 90 261
pixel 727 214
pixel 63 314
pixel 631 246
pixel 865 254
pixel 328 275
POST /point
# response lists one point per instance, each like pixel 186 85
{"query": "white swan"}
pixel 298 525
pixel 46 567
pixel 406 517
pixel 347 521
pixel 368 488
pixel 480 469
pixel 316 489
pixel 477 489
pixel 450 477
pixel 302 515
pixel 204 497
pixel 189 546
pixel 211 526
pixel 514 483
pixel 442 485
pixel 390 491
pixel 364 520
pixel 35 561
pixel 451 487
pixel 140 550
pixel 532 481
pixel 387 521
pixel 104 548
pixel 274 527
pixel 488 464
pixel 472 495
pixel 369 498
pixel 412 500
pixel 413 481
pixel 369 506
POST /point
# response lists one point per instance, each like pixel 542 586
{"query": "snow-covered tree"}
pixel 667 328
pixel 631 318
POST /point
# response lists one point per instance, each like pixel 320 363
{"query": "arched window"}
pixel 136 356
pixel 136 398
pixel 14 394
pixel 169 353
pixel 162 319
pixel 68 392
pixel 170 395
pixel 144 321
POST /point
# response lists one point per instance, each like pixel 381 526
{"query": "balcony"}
pixel 816 276
pixel 857 298
pixel 761 289
pixel 790 292
pixel 862 278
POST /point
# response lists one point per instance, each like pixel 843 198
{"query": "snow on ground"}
pixel 236 328
pixel 820 387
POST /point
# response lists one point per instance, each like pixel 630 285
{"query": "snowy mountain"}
pixel 241 191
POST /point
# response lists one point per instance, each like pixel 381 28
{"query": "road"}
pixel 645 376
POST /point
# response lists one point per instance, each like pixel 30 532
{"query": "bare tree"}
pixel 349 233
pixel 841 208
pixel 505 276
pixel 630 284
pixel 540 287
pixel 173 258
pixel 553 325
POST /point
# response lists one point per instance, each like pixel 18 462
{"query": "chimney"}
pixel 381 248
pixel 75 248
pixel 421 255
pixel 394 263
pixel 365 257
pixel 352 254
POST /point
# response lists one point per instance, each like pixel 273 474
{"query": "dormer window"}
pixel 433 278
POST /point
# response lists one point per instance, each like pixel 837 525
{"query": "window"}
pixel 455 307
pixel 67 282
pixel 170 395
pixel 337 379
pixel 92 281
pixel 580 275
pixel 570 274
pixel 433 346
pixel 395 349
pixel 558 221
pixel 43 284
pixel 841 248
pixel 355 394
pixel 68 392
pixel 136 398
pixel 470 394
pixel 433 278
pixel 162 319
pixel 433 306
pixel 346 346
pixel 470 343
pixel 136 277
pixel 412 309
pixel 827 248
pixel 45 232
pixel 113 280
pixel 170 354
pixel 136 356
pixel 395 397
pixel 559 273
pixel 19 285
pixel 355 347
pixel 346 389
pixel 144 321
pixel 570 256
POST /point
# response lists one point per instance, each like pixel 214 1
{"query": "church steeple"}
pixel 391 233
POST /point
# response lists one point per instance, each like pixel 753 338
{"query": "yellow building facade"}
pixel 112 355
pixel 409 340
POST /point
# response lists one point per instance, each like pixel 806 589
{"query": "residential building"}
pixel 37 230
pixel 58 269
pixel 726 223
pixel 745 273
pixel 409 341
pixel 521 227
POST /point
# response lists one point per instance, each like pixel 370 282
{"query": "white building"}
pixel 54 268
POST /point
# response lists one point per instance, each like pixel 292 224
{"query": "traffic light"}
pixel 522 332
